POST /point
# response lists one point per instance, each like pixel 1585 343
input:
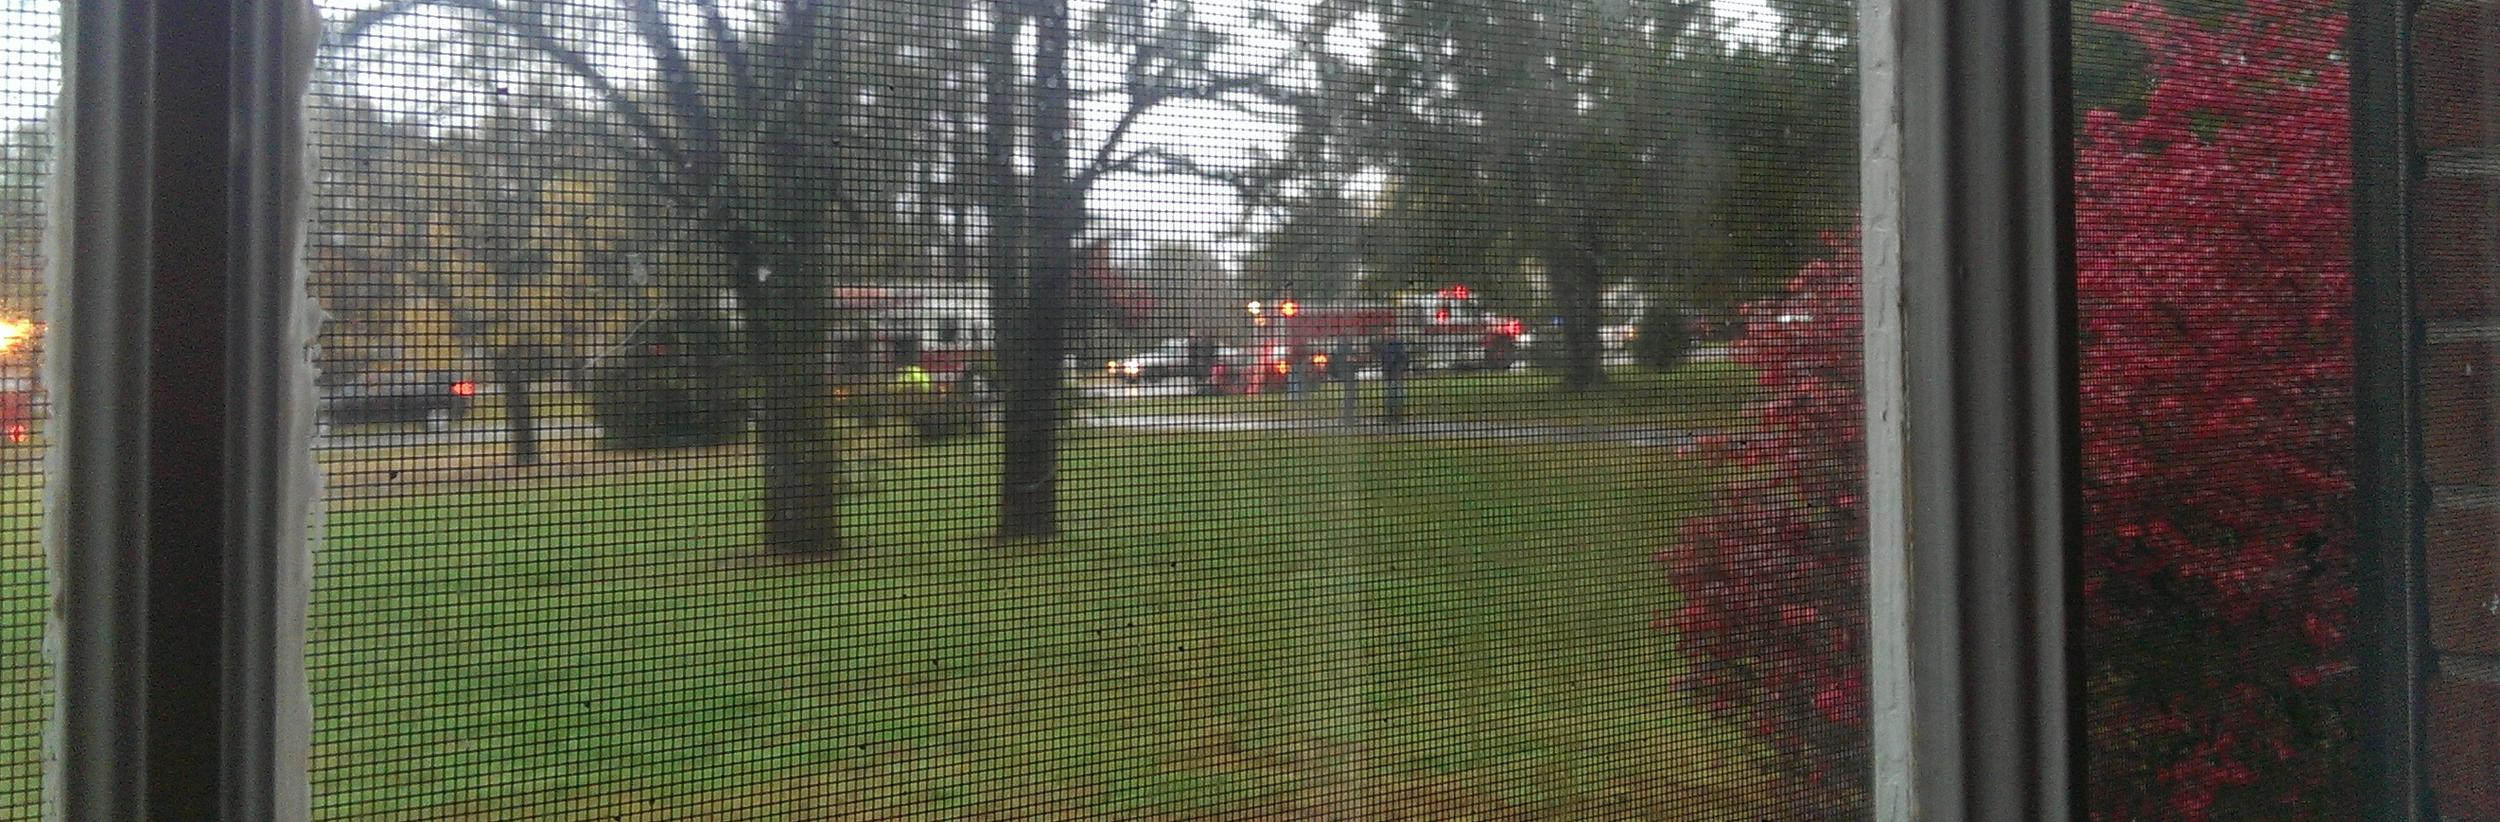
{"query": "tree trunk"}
pixel 1003 195
pixel 1011 306
pixel 1029 458
pixel 959 244
pixel 797 440
pixel 1579 279
pixel 519 420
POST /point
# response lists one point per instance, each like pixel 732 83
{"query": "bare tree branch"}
pixel 713 183
pixel 1256 186
pixel 732 53
pixel 1143 100
pixel 355 25
pixel 671 152
pixel 798 108
pixel 677 78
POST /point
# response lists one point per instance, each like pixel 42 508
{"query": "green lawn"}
pixel 1704 395
pixel 1232 627
pixel 24 677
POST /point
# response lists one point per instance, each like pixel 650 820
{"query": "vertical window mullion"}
pixel 2391 615
pixel 96 370
pixel 1971 410
pixel 179 479
pixel 271 480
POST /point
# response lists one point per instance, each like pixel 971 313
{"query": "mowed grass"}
pixel 24 677
pixel 1232 628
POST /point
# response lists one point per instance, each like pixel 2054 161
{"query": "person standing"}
pixel 1297 370
pixel 916 389
pixel 1391 351
pixel 1201 356
pixel 1341 368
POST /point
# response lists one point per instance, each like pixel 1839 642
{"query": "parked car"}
pixel 1163 362
pixel 437 400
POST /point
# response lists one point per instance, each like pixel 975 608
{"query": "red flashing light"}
pixel 1455 292
pixel 1289 308
pixel 1441 315
pixel 17 432
pixel 464 388
pixel 1514 327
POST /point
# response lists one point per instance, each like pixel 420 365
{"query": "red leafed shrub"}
pixel 1773 578
pixel 2213 237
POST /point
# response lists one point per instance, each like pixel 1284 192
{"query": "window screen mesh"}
pixel 30 75
pixel 1147 409
pixel 2213 252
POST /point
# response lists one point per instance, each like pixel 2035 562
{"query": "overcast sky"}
pixel 1162 207
pixel 1157 206
pixel 30 60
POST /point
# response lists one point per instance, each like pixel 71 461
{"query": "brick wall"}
pixel 2457 100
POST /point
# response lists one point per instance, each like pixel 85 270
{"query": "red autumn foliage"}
pixel 1773 577
pixel 2212 241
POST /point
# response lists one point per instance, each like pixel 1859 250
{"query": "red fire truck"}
pixel 942 329
pixel 18 409
pixel 1443 329
pixel 947 329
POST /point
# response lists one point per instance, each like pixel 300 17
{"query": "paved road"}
pixel 1321 420
pixel 1527 433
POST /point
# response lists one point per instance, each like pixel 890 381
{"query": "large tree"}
pixel 1550 131
pixel 1038 210
pixel 506 279
pixel 784 133
pixel 1559 150
pixel 770 130
pixel 530 303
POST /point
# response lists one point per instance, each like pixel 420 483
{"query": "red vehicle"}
pixel 17 413
pixel 1445 329
pixel 943 330
pixel 17 382
pixel 947 329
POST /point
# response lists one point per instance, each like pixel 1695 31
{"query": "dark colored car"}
pixel 435 399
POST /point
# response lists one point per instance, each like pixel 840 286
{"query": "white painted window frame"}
pixel 1971 410
pixel 180 476
pixel 1970 352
